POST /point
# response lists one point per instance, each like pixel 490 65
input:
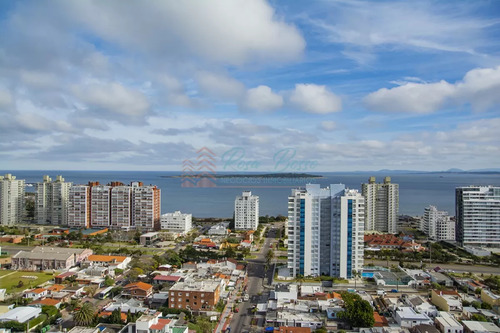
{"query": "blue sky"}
pixel 350 85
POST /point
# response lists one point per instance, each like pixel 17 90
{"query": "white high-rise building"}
pixel 325 231
pixel 100 206
pixel 11 200
pixel 51 201
pixel 437 224
pixel 121 208
pixel 478 216
pixel 246 211
pixel 381 205
pixel 146 206
pixel 177 222
pixel 79 206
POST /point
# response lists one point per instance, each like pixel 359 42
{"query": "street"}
pixel 256 275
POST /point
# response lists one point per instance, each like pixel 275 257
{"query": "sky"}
pixel 340 85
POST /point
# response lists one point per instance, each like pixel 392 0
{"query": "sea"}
pixel 416 190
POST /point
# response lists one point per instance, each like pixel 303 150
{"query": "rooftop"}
pixel 208 286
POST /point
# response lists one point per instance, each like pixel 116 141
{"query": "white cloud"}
pixel 220 85
pixel 314 98
pixel 328 125
pixel 480 87
pixel 411 97
pixel 262 98
pixel 227 31
pixel 114 98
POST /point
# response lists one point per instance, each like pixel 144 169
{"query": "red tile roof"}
pixel 160 325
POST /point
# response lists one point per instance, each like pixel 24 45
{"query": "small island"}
pixel 253 175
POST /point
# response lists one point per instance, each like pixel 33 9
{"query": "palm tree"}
pixel 85 315
pixel 356 274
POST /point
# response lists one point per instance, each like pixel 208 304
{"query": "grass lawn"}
pixel 11 281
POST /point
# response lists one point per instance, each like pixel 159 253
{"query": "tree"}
pixel 115 317
pixel 85 316
pixel 108 281
pixel 358 312
pixel 486 306
pixel 172 258
pixel 269 256
pixel 476 304
pixel 355 274
pixel 478 317
pixel 91 290
pixel 204 324
pixel 230 252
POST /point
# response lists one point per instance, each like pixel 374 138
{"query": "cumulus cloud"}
pixel 411 97
pixel 226 31
pixel 262 98
pixel 478 88
pixel 114 98
pixel 328 125
pixel 314 98
pixel 5 98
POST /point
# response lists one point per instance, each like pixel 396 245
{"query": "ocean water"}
pixel 416 190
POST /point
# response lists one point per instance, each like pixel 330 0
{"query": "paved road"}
pixel 454 267
pixel 256 273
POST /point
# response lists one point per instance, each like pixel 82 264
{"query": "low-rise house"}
pixel 446 300
pixel 284 292
pixel 76 291
pixel 153 323
pixel 55 288
pixel 46 301
pixel 170 279
pixel 158 299
pixel 407 317
pixel 469 311
pixel 63 276
pixel 132 305
pixel 138 290
pixel 219 229
pixel 36 293
pixel 294 319
pixel 291 329
pixel 420 305
pixel 21 314
pixel 480 327
pixel 44 258
pixel 446 323
pixel 424 328
pixel 246 244
pixel 490 298
pixel 441 279
pixel 149 238
pixel 112 262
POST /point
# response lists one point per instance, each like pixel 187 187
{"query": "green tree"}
pixel 116 316
pixel 478 317
pixel 486 306
pixel 172 258
pixel 476 304
pixel 85 316
pixel 108 281
pixel 230 252
pixel 204 324
pixel 357 312
pixel 91 290
pixel 355 274
pixel 269 256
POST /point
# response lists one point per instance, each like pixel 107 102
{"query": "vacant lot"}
pixel 10 280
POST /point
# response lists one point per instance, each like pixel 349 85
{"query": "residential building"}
pixel 43 258
pixel 79 206
pixel 490 298
pixel 154 323
pixel 446 300
pixel 195 295
pixel 381 205
pixel 100 206
pixel 478 216
pixel 36 293
pixel 480 327
pixel 246 211
pixel 115 206
pixel 52 201
pixel 219 229
pixel 110 261
pixel 146 204
pixel 139 290
pixel 21 314
pixel 121 210
pixel 149 238
pixel 406 317
pixel 437 224
pixel 325 231
pixel 447 323
pixel 177 222
pixel 11 200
